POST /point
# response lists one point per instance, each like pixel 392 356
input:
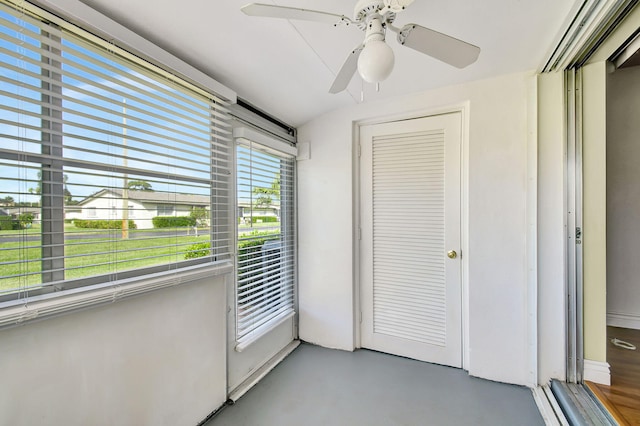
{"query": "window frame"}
pixel 53 185
pixel 166 209
pixel 247 136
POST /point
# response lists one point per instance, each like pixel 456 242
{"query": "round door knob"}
pixel 452 254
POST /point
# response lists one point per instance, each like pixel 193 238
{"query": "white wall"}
pixel 497 221
pixel 156 359
pixel 594 215
pixel 623 197
pixel 551 228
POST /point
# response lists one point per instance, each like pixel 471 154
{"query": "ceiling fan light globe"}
pixel 376 61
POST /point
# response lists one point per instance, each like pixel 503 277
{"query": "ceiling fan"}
pixel 373 58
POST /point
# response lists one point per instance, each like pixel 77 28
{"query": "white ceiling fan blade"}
pixel 440 46
pixel 347 71
pixel 283 12
pixel 397 5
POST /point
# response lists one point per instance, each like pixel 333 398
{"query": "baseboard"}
pixel 623 320
pixel 597 372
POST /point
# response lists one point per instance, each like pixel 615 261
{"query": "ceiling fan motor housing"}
pixel 365 9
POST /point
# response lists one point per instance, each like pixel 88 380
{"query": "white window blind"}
pixel 266 239
pixel 109 167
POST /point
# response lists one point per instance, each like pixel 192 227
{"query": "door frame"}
pixel 584 64
pixel 463 109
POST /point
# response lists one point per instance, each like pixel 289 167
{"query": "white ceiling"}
pixel 286 67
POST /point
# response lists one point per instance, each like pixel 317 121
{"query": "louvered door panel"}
pixel 408 236
pixel 410 180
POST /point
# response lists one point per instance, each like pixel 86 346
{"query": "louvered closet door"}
pixel 410 218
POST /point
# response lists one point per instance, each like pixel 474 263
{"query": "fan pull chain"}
pixel 361 90
pixel 378 87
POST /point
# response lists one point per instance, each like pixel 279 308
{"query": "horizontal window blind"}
pixel 108 168
pixel 266 238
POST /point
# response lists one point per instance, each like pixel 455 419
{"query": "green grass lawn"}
pixel 99 256
pixel 92 257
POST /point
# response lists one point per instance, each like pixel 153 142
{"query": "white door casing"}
pixel 411 291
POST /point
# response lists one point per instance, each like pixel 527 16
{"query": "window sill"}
pixel 255 335
pixel 40 307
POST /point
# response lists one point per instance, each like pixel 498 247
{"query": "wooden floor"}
pixel 622 398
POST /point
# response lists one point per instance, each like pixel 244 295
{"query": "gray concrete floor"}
pixel 318 386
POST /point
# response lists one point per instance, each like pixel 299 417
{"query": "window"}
pixel 86 129
pixel 165 210
pixel 266 239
